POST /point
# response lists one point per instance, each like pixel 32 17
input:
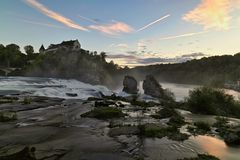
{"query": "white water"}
pixel 51 87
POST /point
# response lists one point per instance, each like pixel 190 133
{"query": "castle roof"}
pixel 64 43
pixel 41 48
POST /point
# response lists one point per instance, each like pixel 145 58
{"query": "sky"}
pixel 131 32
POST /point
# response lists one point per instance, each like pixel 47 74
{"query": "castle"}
pixel 72 45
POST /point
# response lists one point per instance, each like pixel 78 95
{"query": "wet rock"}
pixel 152 87
pixel 232 139
pixel 104 103
pixel 72 94
pixel 124 130
pixel 130 85
pixel 25 154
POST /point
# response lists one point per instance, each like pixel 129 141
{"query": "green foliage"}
pixel 104 113
pixel 222 125
pixel 214 70
pixel 200 128
pixel 166 112
pixel 6 116
pixel 203 126
pixel 88 66
pixel 154 131
pixel 176 121
pixel 29 49
pixel 27 100
pixel 207 100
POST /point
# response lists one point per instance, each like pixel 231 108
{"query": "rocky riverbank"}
pixel 98 128
pixel 107 127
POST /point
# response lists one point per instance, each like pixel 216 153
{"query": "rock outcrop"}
pixel 152 87
pixel 130 85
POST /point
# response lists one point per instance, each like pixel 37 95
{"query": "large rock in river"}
pixel 130 85
pixel 152 87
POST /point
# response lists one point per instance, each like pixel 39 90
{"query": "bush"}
pixel 212 101
pixel 203 126
pixel 6 116
pixel 154 131
pixel 199 128
pixel 27 100
pixel 104 113
pixel 176 121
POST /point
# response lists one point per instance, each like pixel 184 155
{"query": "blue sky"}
pixel 132 32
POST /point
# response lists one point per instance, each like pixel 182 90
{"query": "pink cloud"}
pixel 114 28
pixel 56 16
pixel 212 14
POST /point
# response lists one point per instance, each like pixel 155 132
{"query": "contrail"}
pixel 154 22
pixel 183 35
pixel 88 19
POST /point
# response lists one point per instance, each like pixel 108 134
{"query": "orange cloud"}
pixel 56 16
pixel 113 28
pixel 212 14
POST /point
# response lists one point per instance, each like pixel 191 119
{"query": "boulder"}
pixel 130 85
pixel 232 139
pixel 152 87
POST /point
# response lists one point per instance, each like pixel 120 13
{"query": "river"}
pixel 154 148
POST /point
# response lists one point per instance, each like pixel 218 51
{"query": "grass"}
pixel 104 113
pixel 27 100
pixel 166 112
pixel 6 116
pixel 199 128
pixel 154 131
pixel 177 121
pixel 4 100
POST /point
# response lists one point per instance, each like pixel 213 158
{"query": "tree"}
pixel 2 55
pixel 103 56
pixel 29 49
pixel 12 50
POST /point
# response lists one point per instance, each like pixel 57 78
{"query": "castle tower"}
pixel 41 49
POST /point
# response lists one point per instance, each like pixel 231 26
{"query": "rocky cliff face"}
pixel 152 87
pixel 130 85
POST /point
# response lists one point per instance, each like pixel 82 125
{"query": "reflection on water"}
pixel 212 146
pixel 217 147
pixel 167 149
pixel 181 91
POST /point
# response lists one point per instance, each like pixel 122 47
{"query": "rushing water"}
pixel 51 87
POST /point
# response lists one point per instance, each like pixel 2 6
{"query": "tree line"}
pixel 216 71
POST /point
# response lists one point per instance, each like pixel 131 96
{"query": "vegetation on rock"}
pixel 104 113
